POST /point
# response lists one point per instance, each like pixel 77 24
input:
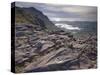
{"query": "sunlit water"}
pixel 66 26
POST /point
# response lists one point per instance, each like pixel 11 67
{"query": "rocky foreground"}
pixel 41 46
pixel 42 50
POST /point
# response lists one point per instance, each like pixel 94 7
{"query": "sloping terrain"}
pixel 33 16
pixel 39 46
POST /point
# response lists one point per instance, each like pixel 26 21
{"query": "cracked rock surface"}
pixel 37 48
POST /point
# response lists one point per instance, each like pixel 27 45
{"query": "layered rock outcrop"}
pixel 38 47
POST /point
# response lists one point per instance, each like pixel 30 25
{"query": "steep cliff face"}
pixel 33 16
pixel 36 49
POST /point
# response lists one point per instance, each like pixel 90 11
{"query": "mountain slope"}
pixel 33 16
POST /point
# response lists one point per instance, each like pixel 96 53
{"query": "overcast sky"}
pixel 57 12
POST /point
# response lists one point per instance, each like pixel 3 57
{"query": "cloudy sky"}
pixel 57 12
